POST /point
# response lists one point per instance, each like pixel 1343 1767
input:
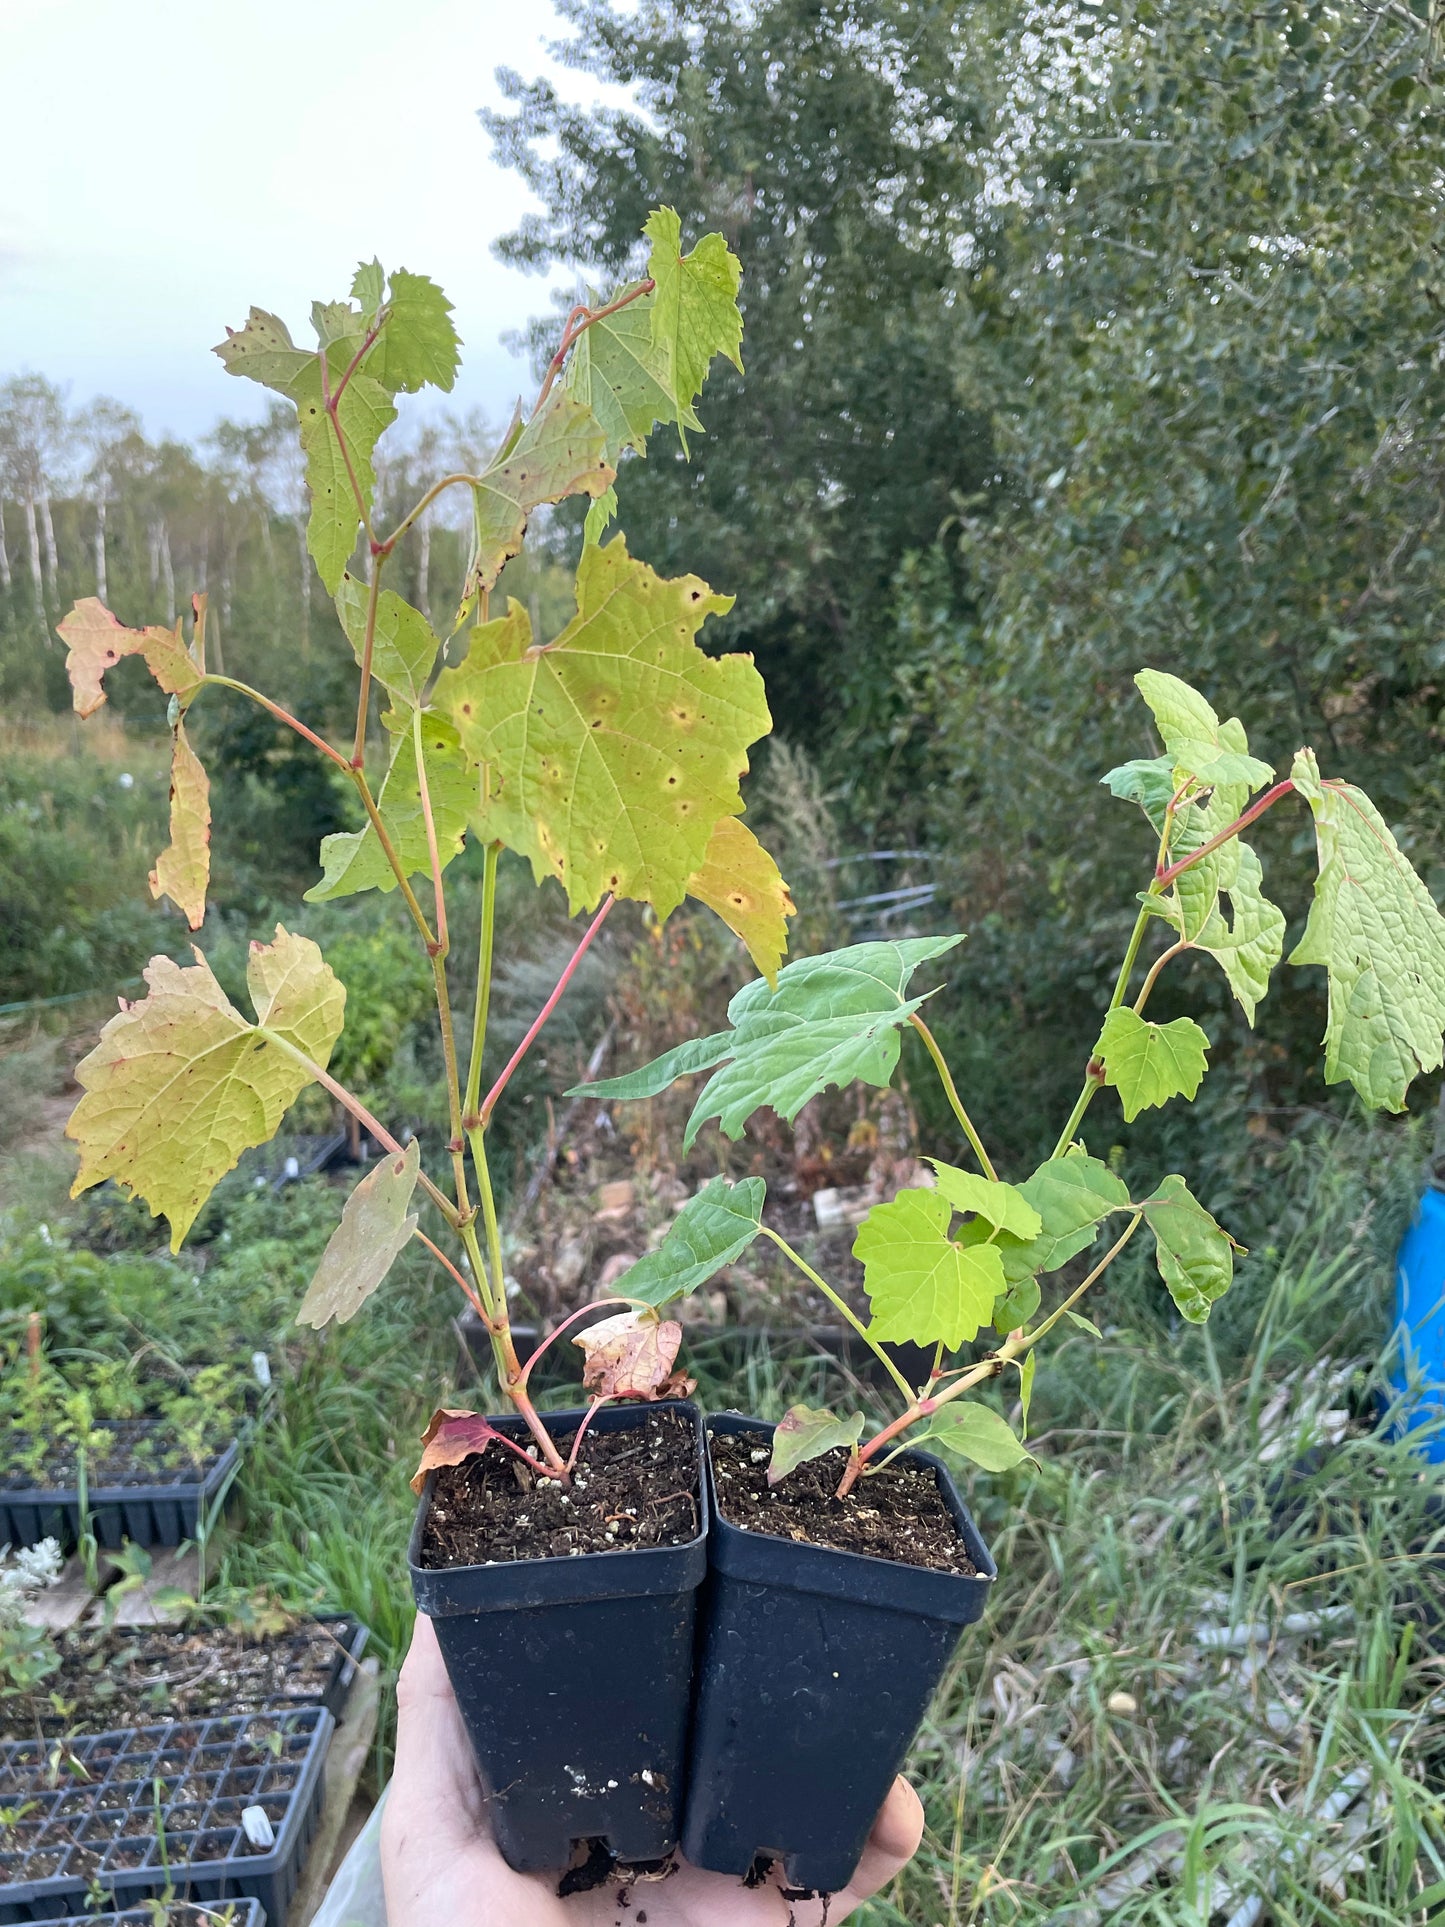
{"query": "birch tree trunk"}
pixel 168 574
pixel 32 543
pixel 305 587
pixel 52 560
pixel 4 552
pixel 100 584
pixel 423 569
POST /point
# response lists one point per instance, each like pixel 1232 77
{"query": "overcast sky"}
pixel 166 163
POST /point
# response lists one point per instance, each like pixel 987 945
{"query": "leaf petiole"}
pixel 840 1304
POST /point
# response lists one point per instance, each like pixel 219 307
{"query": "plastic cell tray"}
pixel 100 1801
pixel 243 1913
pixel 152 1510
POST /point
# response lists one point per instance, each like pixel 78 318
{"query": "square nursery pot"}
pixel 150 1509
pixel 574 1678
pixel 815 1669
pixel 95 1841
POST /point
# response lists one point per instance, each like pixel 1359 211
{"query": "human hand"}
pixel 440 1865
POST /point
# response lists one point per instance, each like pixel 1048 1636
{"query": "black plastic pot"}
pixel 574 1678
pixel 815 1670
pixel 150 1510
pixel 106 1841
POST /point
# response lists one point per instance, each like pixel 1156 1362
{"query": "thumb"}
pixel 895 1839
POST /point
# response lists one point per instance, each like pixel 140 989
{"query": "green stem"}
pixel 842 1305
pixel 482 1005
pixel 1154 969
pixel 368 643
pixel 1032 1338
pixel 951 1090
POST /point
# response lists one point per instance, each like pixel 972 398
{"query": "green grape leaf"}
pixel 1150 1063
pixel 832 1020
pixel 921 1285
pixel 964 1429
pixel 1195 1255
pixel 95 641
pixel 264 351
pixel 616 373
pixel 610 754
pixel 694 310
pixel 1150 784
pixel 183 869
pixel 741 882
pixel 417 346
pixel 998 1204
pixel 1072 1194
pixel 1084 1324
pixel 353 860
pixel 180 1084
pixel 375 1229
pixel 713 1229
pixel 806 1432
pixel 651 1080
pixel 404 646
pixel 1017 1305
pixel 1197 742
pixel 600 516
pixel 561 451
pixel 1026 1387
pixel 1375 928
pixel 1249 942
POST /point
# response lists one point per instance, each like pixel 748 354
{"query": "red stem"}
pixel 546 1011
pixel 570 334
pixel 356 360
pixel 443 1260
pixel 1163 878
pixel 557 1331
pixel 592 1410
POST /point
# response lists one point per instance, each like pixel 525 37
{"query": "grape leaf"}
pixel 183 869
pixel 630 1355
pixel 180 1084
pixel 741 882
pixel 561 451
pixel 1017 1305
pixel 375 1228
pixel 417 346
pixel 998 1204
pixel 713 1229
pixel 1150 784
pixel 1195 1255
pixel 651 1080
pixel 95 641
pixel 403 647
pixel 610 754
pixel 452 1436
pixel 614 371
pixel 1197 742
pixel 264 351
pixel 601 513
pixel 1072 1194
pixel 807 1432
pixel 921 1285
pixel 1250 942
pixel 1150 1063
pixel 353 860
pixel 831 1020
pixel 1375 928
pixel 694 310
pixel 964 1429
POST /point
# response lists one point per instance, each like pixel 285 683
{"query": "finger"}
pixel 433 1757
pixel 893 1842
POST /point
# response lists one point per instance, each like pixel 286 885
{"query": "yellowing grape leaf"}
pixel 806 1432
pixel 561 451
pixel 183 869
pixel 1194 1253
pixel 180 1084
pixel 375 1228
pixel 609 755
pixel 95 641
pixel 694 310
pixel 1375 928
pixel 630 1355
pixel 996 1203
pixel 403 646
pixel 742 883
pixel 1150 1063
pixel 921 1285
pixel 353 860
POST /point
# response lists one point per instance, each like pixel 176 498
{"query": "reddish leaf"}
pixel 451 1437
pixel 631 1355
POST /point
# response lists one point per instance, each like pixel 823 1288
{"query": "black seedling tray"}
pixel 103 1793
pixel 154 1510
pixel 351 1640
pixel 244 1913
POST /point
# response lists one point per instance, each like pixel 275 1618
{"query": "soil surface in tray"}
pixel 899 1514
pixel 136 1452
pixel 136 1676
pixel 635 1487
